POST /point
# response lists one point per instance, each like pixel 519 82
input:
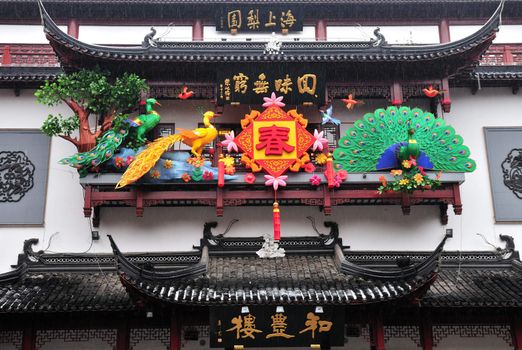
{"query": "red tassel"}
pixel 330 171
pixel 221 171
pixel 277 222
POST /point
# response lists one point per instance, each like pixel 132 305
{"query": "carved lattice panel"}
pixel 357 337
pixel 11 340
pixel 482 336
pixel 149 338
pixel 402 337
pixel 96 339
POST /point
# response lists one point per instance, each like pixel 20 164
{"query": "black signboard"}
pixel 248 84
pixel 276 326
pixel 257 19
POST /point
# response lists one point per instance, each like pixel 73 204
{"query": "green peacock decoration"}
pixel 113 138
pixel 384 139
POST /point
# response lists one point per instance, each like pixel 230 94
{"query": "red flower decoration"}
pixel 315 180
pixel 129 160
pixel 250 178
pixel 309 168
pixel 208 175
pixel 185 177
pixel 118 161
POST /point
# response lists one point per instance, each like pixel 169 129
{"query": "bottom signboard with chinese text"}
pixel 276 326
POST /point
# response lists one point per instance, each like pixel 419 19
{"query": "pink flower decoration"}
pixel 309 168
pixel 275 181
pixel 229 142
pixel 320 142
pixel 250 178
pixel 343 174
pixel 337 181
pixel 273 100
pixel 315 180
pixel 129 160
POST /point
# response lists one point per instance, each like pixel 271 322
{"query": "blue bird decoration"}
pixel 327 117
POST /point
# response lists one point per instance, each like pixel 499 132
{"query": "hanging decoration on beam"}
pixel 275 141
pixel 351 102
pixel 185 93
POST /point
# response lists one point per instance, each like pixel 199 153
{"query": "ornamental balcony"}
pixel 357 189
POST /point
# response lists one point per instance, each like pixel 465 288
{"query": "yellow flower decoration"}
pixel 167 164
pixel 321 159
pixel 418 178
pixel 229 161
pixel 404 182
pixel 155 174
pixel 406 164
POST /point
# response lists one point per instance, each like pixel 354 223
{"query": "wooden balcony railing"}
pixel 502 55
pixel 358 189
pixel 34 55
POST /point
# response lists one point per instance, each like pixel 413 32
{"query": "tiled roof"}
pixel 446 57
pixel 28 74
pixel 498 72
pixel 89 283
pixel 64 292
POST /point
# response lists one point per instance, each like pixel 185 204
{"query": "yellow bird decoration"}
pixel 197 139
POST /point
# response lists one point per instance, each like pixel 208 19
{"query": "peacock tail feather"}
pixel 145 160
pixel 101 153
pixel 377 135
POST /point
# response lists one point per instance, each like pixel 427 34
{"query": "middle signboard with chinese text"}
pixel 252 19
pixel 276 326
pixel 248 84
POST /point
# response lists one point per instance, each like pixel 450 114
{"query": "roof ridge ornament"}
pixel 273 46
pixel 149 40
pixel 379 40
pixel 270 249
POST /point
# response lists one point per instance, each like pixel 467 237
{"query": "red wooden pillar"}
pixel 320 30
pixel 123 335
pixel 507 55
pixel 197 30
pixel 444 32
pixel 175 330
pixel 426 332
pixel 73 28
pixel 29 338
pixel 516 331
pixel 396 94
pixel 6 56
pixel 446 98
pixel 377 329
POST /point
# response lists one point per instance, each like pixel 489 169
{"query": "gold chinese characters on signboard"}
pixel 259 19
pixel 244 326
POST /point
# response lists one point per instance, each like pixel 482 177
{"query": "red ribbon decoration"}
pixel 221 171
pixel 277 222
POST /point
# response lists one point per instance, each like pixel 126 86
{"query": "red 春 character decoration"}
pixel 273 139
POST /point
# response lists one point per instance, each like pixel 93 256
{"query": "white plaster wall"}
pixel 168 229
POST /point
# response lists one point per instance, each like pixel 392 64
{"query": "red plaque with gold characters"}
pixel 274 141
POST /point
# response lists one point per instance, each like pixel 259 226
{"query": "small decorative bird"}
pixel 185 94
pixel 328 118
pixel 350 101
pixel 432 92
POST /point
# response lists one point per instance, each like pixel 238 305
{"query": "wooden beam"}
pixel 175 330
pixel 87 202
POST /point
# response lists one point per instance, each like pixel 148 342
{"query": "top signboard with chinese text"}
pixel 258 19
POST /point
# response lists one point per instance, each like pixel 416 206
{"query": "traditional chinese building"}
pixel 359 185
